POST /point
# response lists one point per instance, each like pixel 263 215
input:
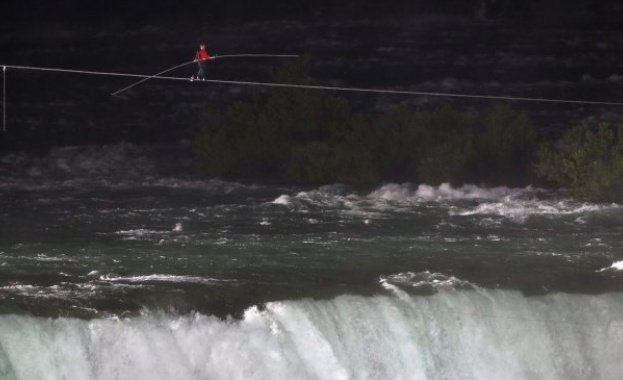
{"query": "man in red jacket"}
pixel 201 58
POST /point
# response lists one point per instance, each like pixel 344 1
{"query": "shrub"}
pixel 589 162
pixel 285 134
pixel 396 141
pixel 307 136
pixel 494 145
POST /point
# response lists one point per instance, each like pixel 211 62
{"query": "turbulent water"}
pixel 117 264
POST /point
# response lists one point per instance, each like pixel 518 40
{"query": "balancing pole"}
pixel 213 57
pixel 150 77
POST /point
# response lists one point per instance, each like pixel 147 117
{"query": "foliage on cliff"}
pixel 310 137
pixel 588 161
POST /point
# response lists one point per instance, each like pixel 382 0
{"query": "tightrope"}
pixel 214 57
pixel 317 87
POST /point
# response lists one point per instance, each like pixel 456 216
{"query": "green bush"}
pixel 285 134
pixel 589 162
pixel 309 137
pixel 396 141
pixel 494 146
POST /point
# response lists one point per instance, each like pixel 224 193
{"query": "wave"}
pixel 616 266
pixel 117 166
pixel 407 193
pixel 422 282
pixel 334 196
pixel 515 204
pixel 467 335
pixel 157 167
pixel 158 278
pixel 123 159
pixel 340 195
pixel 444 191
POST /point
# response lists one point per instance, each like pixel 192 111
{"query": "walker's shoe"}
pixel 192 79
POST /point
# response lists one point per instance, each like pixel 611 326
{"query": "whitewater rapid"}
pixel 113 265
pixel 451 335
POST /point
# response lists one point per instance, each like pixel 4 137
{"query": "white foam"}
pixel 468 335
pixel 282 200
pixel 393 192
pixel 517 204
pixel 138 233
pixel 335 196
pixel 445 192
pixel 520 209
pixel 616 266
pixel 157 278
pixel 62 291
pixel 436 281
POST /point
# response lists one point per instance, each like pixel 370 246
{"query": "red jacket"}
pixel 202 55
